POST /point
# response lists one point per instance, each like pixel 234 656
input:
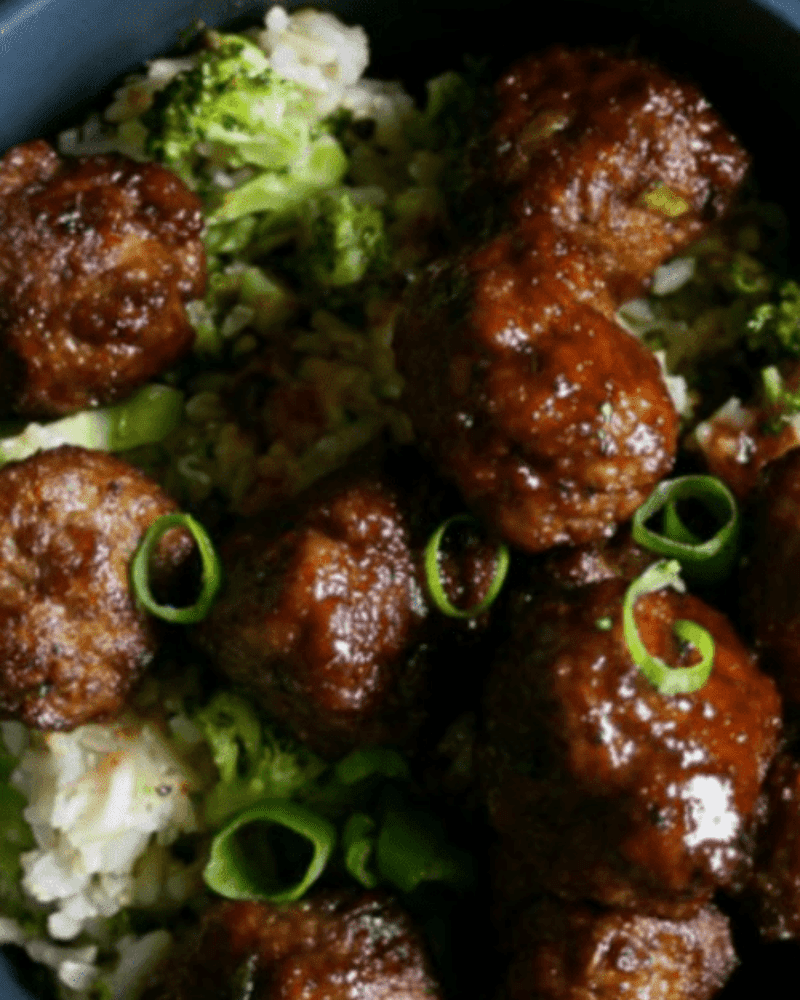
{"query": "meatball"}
pixel 554 422
pixel 565 951
pixel 332 947
pixel 737 443
pixel 618 557
pixel 601 787
pixel 327 621
pixel 771 575
pixel 97 258
pixel 632 163
pixel 773 892
pixel 72 640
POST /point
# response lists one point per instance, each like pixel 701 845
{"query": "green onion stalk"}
pixel 666 679
pixel 705 561
pixel 211 579
pixel 434 580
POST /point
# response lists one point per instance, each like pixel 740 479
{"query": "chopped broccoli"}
pixel 783 402
pixel 242 136
pixel 450 109
pixel 366 793
pixel 252 763
pixel 776 325
pixel 345 240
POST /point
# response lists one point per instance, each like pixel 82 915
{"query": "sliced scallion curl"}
pixel 250 855
pixel 211 572
pixel 668 680
pixel 433 575
pixel 674 527
pixel 413 847
pixel 706 561
pixel 358 845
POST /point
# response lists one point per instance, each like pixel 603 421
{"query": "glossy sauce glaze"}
pixel 97 260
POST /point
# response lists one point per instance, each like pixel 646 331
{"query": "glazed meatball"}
pixel 773 892
pixel 618 557
pixel 97 258
pixel 332 947
pixel 601 787
pixel 771 575
pixel 632 163
pixel 327 621
pixel 738 443
pixel 72 640
pixel 572 952
pixel 553 421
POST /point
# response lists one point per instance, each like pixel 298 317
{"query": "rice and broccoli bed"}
pixel 322 190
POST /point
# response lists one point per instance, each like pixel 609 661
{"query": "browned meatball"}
pixel 327 621
pixel 771 575
pixel 332 947
pixel 552 420
pixel 97 258
pixel 614 558
pixel 72 640
pixel 570 952
pixel 773 892
pixel 603 788
pixel 631 162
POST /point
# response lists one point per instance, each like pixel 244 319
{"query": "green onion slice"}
pixel 668 680
pixel 665 201
pixel 708 561
pixel 273 851
pixel 413 847
pixel 434 579
pixel 367 762
pixel 211 579
pixel 358 844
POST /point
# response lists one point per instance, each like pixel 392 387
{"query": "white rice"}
pixel 104 804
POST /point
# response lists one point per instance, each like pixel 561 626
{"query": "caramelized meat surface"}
pixel 618 557
pixel 632 163
pixel 97 258
pixel 332 947
pixel 738 442
pixel 770 577
pixel 568 952
pixel 72 640
pixel 601 787
pixel 327 620
pixel 553 421
pixel 773 892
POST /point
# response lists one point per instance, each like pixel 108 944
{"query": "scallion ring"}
pixel 668 680
pixel 433 575
pixel 674 527
pixel 273 851
pixel 358 845
pixel 211 579
pixel 707 561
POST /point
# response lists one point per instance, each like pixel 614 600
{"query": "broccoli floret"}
pixel 775 326
pixel 344 241
pixel 452 108
pixel 252 763
pixel 231 121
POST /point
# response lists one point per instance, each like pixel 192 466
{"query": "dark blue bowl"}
pixel 57 56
